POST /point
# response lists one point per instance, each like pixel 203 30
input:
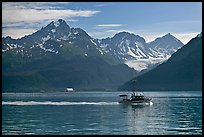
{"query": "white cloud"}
pixel 32 15
pixel 30 12
pixel 34 5
pixel 17 32
pixel 22 18
pixel 109 25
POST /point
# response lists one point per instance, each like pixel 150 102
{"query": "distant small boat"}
pixel 70 90
pixel 136 98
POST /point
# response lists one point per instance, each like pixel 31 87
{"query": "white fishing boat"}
pixel 136 98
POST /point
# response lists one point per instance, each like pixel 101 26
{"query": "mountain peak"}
pixel 168 35
pixel 123 33
pixel 58 27
pixel 59 22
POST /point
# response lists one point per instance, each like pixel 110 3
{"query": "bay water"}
pixel 99 113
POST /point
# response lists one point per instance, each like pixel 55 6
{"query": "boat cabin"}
pixel 125 97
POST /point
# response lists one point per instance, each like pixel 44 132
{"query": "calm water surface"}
pixel 100 113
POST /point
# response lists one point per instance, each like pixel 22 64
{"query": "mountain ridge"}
pixel 123 47
pixel 32 56
pixel 181 72
pixel 47 62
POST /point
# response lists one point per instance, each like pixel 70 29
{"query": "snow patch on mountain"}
pixel 46 38
pixel 93 42
pixel 53 30
pixel 56 23
pixel 75 33
pixel 131 53
pixel 142 64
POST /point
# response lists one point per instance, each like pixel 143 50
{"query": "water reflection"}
pixel 135 107
pixel 137 118
pixel 167 116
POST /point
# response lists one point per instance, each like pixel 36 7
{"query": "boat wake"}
pixel 24 103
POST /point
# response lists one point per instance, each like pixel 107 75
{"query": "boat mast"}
pixel 133 85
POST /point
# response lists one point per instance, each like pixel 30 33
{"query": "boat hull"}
pixel 136 102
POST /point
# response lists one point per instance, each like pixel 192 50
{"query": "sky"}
pixel 104 19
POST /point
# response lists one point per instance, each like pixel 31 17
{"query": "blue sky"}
pixel 104 19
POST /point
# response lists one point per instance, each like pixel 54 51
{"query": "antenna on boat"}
pixel 133 83
pixel 133 86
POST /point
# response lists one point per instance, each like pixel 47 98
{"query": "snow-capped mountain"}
pixel 135 52
pixel 165 46
pixel 51 40
pixel 182 71
pixel 58 38
pixel 127 46
pixel 124 46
